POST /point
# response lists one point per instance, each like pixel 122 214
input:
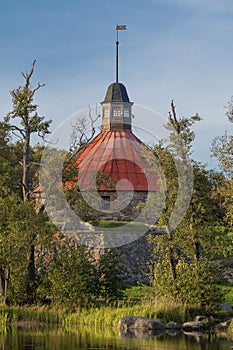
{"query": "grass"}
pixel 96 316
pixel 110 316
pixel 137 292
pixel 107 223
pixel 112 224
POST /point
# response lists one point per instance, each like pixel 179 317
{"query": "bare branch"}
pixel 7 147
pixel 37 88
pixel 28 76
pixel 173 118
pixel 14 128
pixel 83 131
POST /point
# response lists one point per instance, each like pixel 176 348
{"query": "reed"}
pixel 3 323
pixel 110 316
pixel 162 310
pixel 12 315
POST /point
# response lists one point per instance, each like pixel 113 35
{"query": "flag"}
pixel 121 27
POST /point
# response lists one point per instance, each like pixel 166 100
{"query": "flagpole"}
pixel 118 27
pixel 117 57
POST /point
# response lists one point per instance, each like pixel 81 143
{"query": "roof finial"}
pixel 118 27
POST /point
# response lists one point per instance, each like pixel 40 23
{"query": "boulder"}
pixel 128 323
pixel 193 326
pixel 173 326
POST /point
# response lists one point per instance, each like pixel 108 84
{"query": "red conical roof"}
pixel 120 156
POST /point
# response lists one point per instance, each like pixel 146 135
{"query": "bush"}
pixel 72 279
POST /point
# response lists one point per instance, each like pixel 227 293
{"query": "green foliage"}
pixel 71 280
pixel 26 110
pixel 78 204
pixel 184 256
pixel 111 276
pixel 181 136
pixel 184 273
pixel 20 226
pixel 229 202
pixel 222 149
pixel 28 122
pixel 227 290
pixel 188 288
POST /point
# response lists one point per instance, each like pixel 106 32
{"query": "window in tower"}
pixel 126 112
pixel 106 112
pixel 116 112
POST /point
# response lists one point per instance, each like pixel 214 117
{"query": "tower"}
pixel 116 108
pixel 118 156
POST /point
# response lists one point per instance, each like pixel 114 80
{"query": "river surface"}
pixel 94 339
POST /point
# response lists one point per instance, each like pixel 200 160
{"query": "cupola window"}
pixel 126 112
pixel 116 112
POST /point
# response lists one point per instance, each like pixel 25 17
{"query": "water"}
pixel 94 339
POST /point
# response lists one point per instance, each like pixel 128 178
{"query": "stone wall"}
pixel 136 258
pixel 122 206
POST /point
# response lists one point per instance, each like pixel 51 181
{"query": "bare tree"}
pixel 83 130
pixel 28 122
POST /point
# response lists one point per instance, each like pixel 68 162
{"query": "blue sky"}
pixel 172 49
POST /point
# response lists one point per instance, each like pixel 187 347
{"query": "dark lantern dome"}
pixel 116 93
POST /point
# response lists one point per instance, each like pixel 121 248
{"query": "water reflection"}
pixel 93 338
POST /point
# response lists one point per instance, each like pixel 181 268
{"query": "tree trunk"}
pixel 197 257
pixel 25 175
pixel 196 248
pixel 4 278
pixel 171 259
pixel 172 264
pixel 31 265
pixel 26 197
pixel 2 284
pixel 31 276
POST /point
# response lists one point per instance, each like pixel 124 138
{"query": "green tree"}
pixel 72 279
pixel 173 154
pixel 8 241
pixel 22 122
pixel 191 246
pixel 222 149
pixel 19 226
pixel 111 276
